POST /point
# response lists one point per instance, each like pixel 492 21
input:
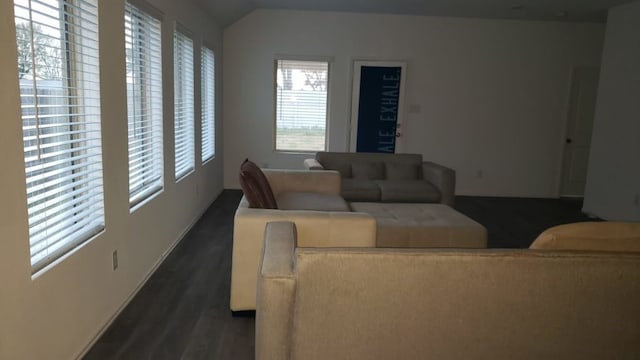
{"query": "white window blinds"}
pixel 208 87
pixel 301 105
pixel 144 103
pixel 60 100
pixel 183 104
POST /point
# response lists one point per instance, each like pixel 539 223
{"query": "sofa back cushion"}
pixel 306 200
pixel 478 304
pixel 337 163
pixel 370 170
pixel 344 163
pixel 402 171
pixel 256 187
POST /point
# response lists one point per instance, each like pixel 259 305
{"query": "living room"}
pixel 488 97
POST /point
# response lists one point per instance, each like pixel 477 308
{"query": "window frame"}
pixel 314 59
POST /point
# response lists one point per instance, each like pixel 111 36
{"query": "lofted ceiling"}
pixel 227 12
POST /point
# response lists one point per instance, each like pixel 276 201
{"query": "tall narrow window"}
pixel 301 105
pixel 183 104
pixel 208 89
pixel 144 103
pixel 60 99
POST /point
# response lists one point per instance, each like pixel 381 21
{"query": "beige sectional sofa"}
pixel 337 303
pixel 322 217
pixel 400 178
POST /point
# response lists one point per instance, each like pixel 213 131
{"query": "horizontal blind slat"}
pixel 208 104
pixel 301 105
pixel 184 117
pixel 60 103
pixel 144 103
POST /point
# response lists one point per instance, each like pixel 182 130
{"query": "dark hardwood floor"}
pixel 182 312
pixel 516 222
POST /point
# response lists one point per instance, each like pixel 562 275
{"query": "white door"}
pixel 582 105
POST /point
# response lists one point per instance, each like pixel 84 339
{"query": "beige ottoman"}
pixel 423 226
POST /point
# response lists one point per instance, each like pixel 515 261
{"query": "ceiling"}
pixel 227 12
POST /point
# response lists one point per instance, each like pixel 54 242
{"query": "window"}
pixel 60 100
pixel 208 89
pixel 183 104
pixel 301 105
pixel 144 103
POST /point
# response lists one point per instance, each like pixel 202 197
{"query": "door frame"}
pixel 355 99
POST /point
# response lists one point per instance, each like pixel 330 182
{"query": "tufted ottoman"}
pixel 423 226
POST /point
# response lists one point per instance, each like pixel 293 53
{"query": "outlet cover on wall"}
pixel 115 260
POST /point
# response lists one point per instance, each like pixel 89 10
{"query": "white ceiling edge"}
pixel 226 12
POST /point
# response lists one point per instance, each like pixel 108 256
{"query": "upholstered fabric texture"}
pixel 591 236
pixel 298 200
pixel 401 171
pixel 445 304
pixel 276 264
pixel 421 181
pixel 315 228
pixel 408 191
pixel 323 182
pixel 360 190
pixel 423 226
pixel 369 170
pixel 255 187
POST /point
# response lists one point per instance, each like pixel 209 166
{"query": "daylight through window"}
pixel 60 101
pixel 183 104
pixel 301 105
pixel 144 103
pixel 208 87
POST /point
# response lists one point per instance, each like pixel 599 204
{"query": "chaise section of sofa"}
pixel 338 303
pixel 372 177
pixel 311 200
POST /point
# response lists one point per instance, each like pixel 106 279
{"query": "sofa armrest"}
pixel 443 178
pixel 314 228
pixel 591 236
pixel 326 181
pixel 312 164
pixel 276 290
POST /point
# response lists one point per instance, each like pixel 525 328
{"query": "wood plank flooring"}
pixel 183 310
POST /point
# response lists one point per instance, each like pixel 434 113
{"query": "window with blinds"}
pixel 184 120
pixel 301 105
pixel 144 103
pixel 207 92
pixel 60 100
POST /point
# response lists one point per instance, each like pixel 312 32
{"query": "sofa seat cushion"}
pixel 360 190
pixel 295 200
pixel 422 225
pixel 408 191
pixel 591 236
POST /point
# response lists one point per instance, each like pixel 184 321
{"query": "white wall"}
pixel 613 181
pixel 59 313
pixel 493 94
